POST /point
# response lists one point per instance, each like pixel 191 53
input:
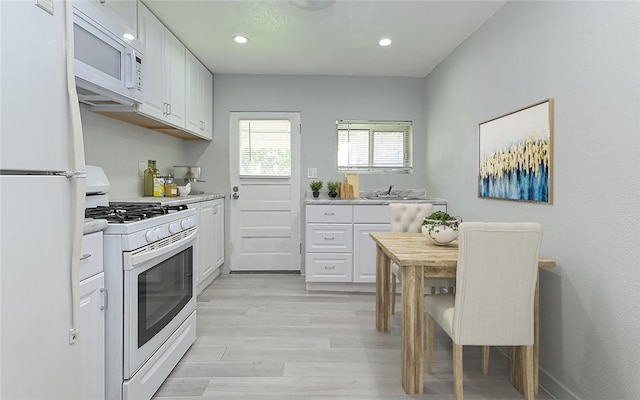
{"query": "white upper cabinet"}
pixel 117 16
pixel 164 71
pixel 199 98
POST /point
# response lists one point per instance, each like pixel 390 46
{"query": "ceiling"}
pixel 286 39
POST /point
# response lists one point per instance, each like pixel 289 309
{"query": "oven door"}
pixel 159 287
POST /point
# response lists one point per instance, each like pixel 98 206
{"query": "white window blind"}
pixel 265 148
pixel 374 146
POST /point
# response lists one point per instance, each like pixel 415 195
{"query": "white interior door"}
pixel 265 191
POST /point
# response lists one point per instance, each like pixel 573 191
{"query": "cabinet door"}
pixel 151 32
pixel 207 105
pixel 175 79
pixel 364 251
pixel 91 337
pixel 207 240
pixel 194 94
pixel 218 258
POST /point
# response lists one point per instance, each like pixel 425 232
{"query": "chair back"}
pixel 495 283
pixel 408 217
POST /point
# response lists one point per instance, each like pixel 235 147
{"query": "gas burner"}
pixel 123 213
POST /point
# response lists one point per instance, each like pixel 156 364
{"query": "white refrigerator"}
pixel 41 204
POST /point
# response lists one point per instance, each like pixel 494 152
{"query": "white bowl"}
pixel 440 234
pixel 184 190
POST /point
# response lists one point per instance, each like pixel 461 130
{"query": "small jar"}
pixel 170 187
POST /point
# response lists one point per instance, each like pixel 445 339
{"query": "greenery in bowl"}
pixel 315 186
pixel 440 219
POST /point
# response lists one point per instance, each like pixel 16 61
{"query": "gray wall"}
pixel 585 55
pixel 321 100
pixel 117 147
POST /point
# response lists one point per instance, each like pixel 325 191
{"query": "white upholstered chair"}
pixel 494 300
pixel 408 217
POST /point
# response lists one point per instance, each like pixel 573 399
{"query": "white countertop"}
pixel 94 225
pixel 171 201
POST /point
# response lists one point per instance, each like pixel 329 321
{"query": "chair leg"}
pixel 529 381
pixel 450 289
pixel 485 359
pixel 393 294
pixel 457 371
pixel 430 333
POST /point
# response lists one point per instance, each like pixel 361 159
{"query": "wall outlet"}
pixel 142 165
pixel 312 173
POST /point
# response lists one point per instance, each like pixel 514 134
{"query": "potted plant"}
pixel 333 187
pixel 315 187
pixel 441 228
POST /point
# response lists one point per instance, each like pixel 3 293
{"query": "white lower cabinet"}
pixel 210 242
pixel 93 303
pixel 338 248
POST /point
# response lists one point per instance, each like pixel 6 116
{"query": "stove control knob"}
pixel 151 236
pixel 162 232
pixel 186 223
pixel 174 227
pixel 192 221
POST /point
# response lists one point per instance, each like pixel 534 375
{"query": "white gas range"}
pixel 151 318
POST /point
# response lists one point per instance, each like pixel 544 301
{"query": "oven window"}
pixel 162 292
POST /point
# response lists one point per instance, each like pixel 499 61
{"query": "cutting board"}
pixel 351 180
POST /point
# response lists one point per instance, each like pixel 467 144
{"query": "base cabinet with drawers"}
pixel 93 303
pixel 339 254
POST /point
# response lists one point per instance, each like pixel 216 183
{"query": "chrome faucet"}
pixel 389 191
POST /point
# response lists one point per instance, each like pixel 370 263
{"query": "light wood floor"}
pixel 265 337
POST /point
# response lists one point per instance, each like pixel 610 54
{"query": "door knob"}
pixel 235 196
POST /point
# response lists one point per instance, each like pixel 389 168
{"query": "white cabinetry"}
pixel 210 242
pixel 93 298
pixel 164 71
pixel 339 254
pixel 329 245
pixel 117 16
pixel 367 219
pixel 199 98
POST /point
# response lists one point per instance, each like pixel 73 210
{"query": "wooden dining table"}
pixel 419 258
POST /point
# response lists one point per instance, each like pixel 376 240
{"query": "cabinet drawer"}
pixel 378 214
pixel 91 255
pixel 333 238
pixel 329 214
pixel 328 267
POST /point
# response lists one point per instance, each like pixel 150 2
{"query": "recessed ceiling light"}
pixel 384 42
pixel 128 36
pixel 240 39
pixel 312 5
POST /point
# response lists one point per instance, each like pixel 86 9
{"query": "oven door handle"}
pixel 132 260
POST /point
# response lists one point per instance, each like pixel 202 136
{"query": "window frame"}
pixel 377 126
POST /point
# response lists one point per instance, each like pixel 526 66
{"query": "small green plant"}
pixel 332 186
pixel 441 218
pixel 315 186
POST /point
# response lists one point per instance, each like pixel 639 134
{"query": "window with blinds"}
pixel 265 148
pixel 375 146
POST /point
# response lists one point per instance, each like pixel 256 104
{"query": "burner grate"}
pixel 123 213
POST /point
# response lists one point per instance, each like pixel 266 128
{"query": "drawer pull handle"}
pixel 85 256
pixel 329 213
pixel 329 267
pixel 329 238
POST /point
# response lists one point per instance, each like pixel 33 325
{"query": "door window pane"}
pixel 265 148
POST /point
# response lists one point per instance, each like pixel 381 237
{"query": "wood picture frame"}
pixel 515 153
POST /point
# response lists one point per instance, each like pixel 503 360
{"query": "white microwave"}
pixel 108 70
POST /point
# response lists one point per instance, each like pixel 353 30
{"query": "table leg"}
pixel 383 306
pixel 412 329
pixel 518 358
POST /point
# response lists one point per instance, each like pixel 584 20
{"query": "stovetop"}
pixel 128 213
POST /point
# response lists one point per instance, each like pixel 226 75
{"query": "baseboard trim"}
pixel 547 382
pixel 554 387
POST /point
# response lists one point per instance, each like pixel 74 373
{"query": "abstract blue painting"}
pixel 515 153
